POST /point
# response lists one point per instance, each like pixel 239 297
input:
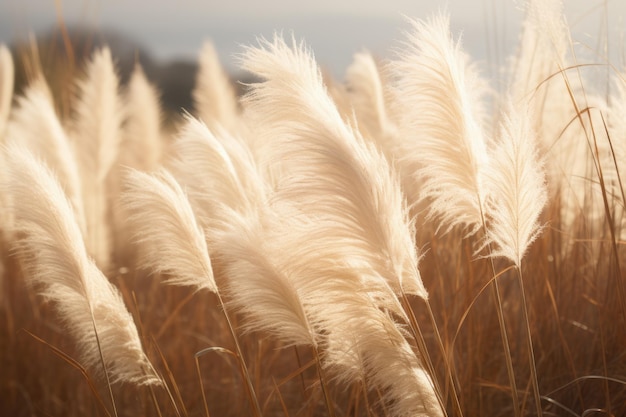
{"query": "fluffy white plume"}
pixel 555 94
pixel 58 266
pixel 141 148
pixel 343 220
pixel 367 92
pixel 217 171
pixel 96 135
pixel 35 125
pixel 165 227
pixel 214 95
pixel 517 185
pixel 444 146
pixel 327 169
pixel 142 144
pixel 259 284
pixel 358 339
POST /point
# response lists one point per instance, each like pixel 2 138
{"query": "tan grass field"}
pixel 404 242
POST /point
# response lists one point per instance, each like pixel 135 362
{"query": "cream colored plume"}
pixel 326 169
pixel 6 95
pixel 96 136
pixel 555 94
pixel 343 224
pixel 214 95
pixel 217 170
pixel 58 266
pixel 141 148
pixel 358 340
pixel 260 283
pixel 517 186
pixel 368 94
pixel 441 95
pixel 35 125
pixel 170 240
pixel 142 142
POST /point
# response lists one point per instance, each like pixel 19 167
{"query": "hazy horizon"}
pixel 334 30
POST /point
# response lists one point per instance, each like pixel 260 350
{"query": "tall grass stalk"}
pixel 158 199
pixel 348 207
pixel 518 196
pixel 312 211
pixel 448 136
pixel 52 250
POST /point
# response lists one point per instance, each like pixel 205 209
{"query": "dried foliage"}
pixel 311 212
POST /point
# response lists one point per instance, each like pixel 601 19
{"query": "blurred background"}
pixel 165 35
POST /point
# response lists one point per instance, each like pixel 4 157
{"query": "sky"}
pixel 334 29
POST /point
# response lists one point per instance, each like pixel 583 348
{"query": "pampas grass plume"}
pixel 35 125
pixel 57 264
pixel 96 135
pixel 259 285
pixel 345 192
pixel 142 144
pixel 328 169
pixel 217 170
pixel 366 88
pixel 214 95
pixel 441 94
pixel 166 229
pixel 518 188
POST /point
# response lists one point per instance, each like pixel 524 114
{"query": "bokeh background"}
pixel 165 36
pixel 174 30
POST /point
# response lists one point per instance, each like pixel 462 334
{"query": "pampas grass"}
pixel 441 93
pixel 326 167
pixel 303 216
pixel 34 124
pixel 517 196
pixel 326 173
pixel 545 76
pixel 218 171
pixel 180 248
pixel 517 186
pixel 214 95
pixel 142 144
pixel 368 92
pixel 52 251
pixel 176 247
pixel 259 284
pixel 96 136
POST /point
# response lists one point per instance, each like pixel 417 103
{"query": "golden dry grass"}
pixel 573 285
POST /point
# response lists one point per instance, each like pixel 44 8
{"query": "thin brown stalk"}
pixel 446 356
pixel 495 293
pixel 155 402
pixel 320 374
pixel 173 382
pixel 242 362
pixel 295 348
pixel 204 401
pixel 76 365
pixel 529 340
pixel 280 398
pixel 423 350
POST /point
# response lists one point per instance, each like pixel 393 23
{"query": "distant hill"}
pixel 175 80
